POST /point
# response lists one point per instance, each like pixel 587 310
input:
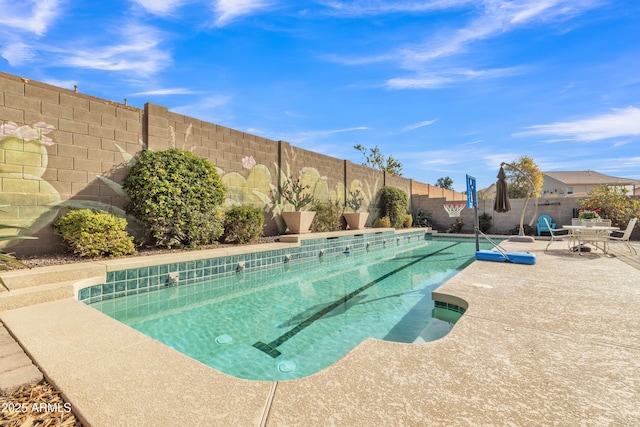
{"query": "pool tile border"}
pixel 148 278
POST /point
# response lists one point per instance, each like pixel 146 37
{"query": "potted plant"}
pixel 356 220
pixel 588 217
pixel 299 221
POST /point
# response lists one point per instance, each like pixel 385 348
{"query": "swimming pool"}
pixel 292 320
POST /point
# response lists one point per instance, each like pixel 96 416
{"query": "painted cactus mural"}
pixel 27 199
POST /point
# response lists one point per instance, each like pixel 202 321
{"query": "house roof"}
pixel 589 178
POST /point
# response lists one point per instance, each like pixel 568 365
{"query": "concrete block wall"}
pixel 79 159
pixel 37 176
pixel 560 210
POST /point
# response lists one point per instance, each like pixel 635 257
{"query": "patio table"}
pixel 594 235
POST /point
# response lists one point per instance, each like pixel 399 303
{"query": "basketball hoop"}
pixel 454 209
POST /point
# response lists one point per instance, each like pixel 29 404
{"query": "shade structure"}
pixel 501 203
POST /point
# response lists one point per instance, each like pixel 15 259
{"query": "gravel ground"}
pixel 34 406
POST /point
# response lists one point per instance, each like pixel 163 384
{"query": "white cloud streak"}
pixel 228 10
pixel 378 7
pixel 138 53
pixel 160 7
pixel 162 92
pixel 29 15
pixel 619 123
pixel 17 53
pixel 418 125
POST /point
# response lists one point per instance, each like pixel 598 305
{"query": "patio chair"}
pixel 545 224
pixel 555 237
pixel 626 235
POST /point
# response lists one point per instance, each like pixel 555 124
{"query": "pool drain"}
pixel 224 339
pixel 287 366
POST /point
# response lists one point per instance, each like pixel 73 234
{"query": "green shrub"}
pixel 243 224
pixel 178 196
pixel 613 203
pixel 327 218
pixel 456 227
pixel 422 219
pixel 383 222
pixel 394 203
pixel 90 234
pixel 484 222
pixel 408 220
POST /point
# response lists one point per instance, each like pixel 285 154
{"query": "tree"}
pixel 445 182
pixel 519 173
pixel 373 158
pixel 613 203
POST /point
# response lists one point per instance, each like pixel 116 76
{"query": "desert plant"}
pixel 355 200
pixel 327 217
pixel 178 196
pixel 528 230
pixel 243 224
pixel 408 220
pixel 394 203
pixel 456 227
pixel 484 222
pixel 383 222
pixel 421 219
pixel 296 193
pixel 89 233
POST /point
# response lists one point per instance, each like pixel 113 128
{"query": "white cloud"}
pixel 418 125
pixel 378 7
pixel 139 52
pixel 497 17
pixel 160 7
pixel 17 53
pixel 29 15
pixel 228 10
pixel 203 108
pixel 444 77
pixel 176 91
pixel 619 123
pixel 67 84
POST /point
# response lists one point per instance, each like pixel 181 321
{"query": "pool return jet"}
pixel 498 254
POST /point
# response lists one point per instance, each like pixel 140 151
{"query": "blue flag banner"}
pixel 472 196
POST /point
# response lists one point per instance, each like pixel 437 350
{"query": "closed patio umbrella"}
pixel 501 203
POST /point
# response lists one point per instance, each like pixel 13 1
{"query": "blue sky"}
pixel 447 87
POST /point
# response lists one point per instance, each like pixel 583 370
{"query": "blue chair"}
pixel 545 226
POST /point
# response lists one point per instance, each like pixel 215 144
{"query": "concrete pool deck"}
pixel 556 343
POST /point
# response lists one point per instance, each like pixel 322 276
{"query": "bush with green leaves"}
pixel 484 222
pixel 613 203
pixel 243 224
pixel 327 218
pixel 95 233
pixel 422 219
pixel 394 203
pixel 178 196
pixel 408 221
pixel 383 222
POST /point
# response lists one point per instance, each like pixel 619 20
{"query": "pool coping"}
pixel 526 350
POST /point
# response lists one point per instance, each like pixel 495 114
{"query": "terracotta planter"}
pixel 298 222
pixel 356 220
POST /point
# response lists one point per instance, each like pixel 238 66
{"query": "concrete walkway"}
pixel 557 343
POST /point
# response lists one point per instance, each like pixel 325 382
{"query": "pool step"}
pixel 36 295
pixel 19 279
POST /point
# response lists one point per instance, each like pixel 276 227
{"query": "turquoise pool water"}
pixel 291 321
